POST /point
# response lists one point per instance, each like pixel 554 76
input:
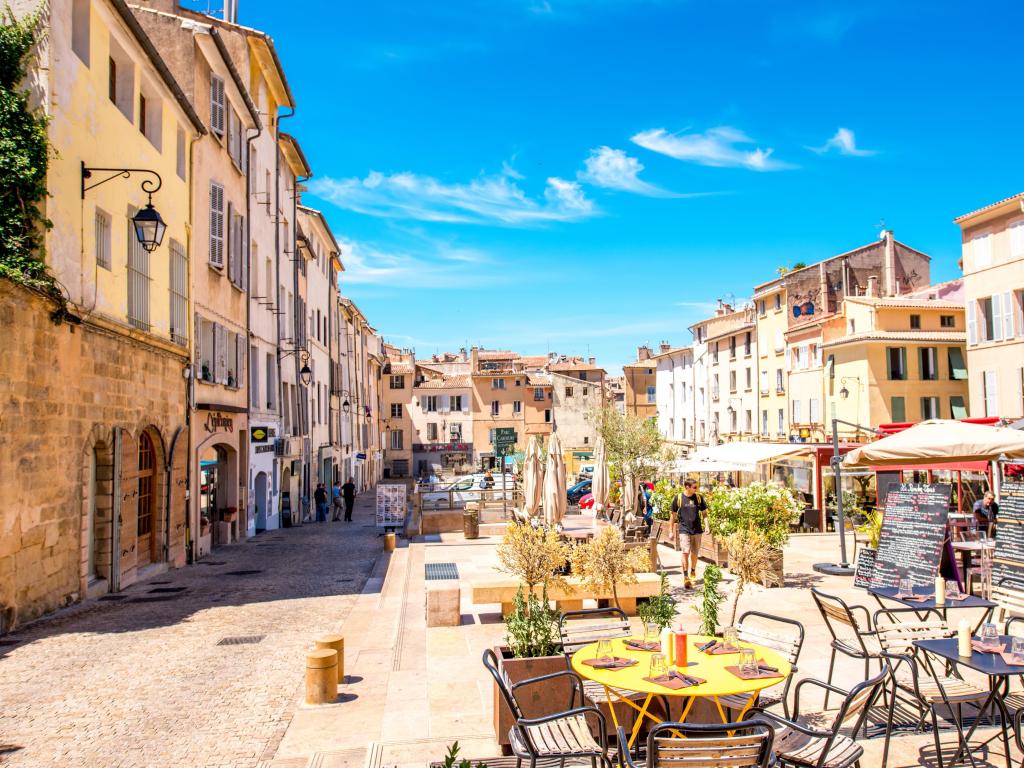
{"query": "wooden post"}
pixel 334 643
pixel 321 676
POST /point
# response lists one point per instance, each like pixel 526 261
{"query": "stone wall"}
pixel 70 394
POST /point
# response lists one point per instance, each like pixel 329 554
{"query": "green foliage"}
pixel 634 446
pixel 532 628
pixel 660 609
pixel 768 509
pixel 24 158
pixel 711 601
pixel 451 759
pixel 872 527
pixel 665 490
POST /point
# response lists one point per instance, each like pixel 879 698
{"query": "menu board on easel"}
pixel 913 533
pixel 1008 564
pixel 391 506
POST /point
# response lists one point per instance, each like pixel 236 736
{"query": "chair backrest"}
pixel 776 632
pixel 898 636
pixel 579 628
pixel 1009 599
pixel 839 619
pixel 710 745
pixel 858 700
pixel 502 681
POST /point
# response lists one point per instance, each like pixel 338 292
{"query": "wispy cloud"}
pixel 845 143
pixel 495 199
pixel 721 147
pixel 709 305
pixel 614 169
pixel 431 264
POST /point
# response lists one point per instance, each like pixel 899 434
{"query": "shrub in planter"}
pixel 604 562
pixel 751 559
pixel 660 609
pixel 533 555
pixel 711 601
pixel 769 509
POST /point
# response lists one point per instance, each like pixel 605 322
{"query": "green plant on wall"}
pixel 24 159
pixel 660 609
pixel 711 601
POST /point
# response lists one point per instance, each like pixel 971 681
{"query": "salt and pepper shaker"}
pixel 667 644
pixel 963 638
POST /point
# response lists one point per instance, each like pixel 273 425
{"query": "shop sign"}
pixel 217 422
pixel 260 434
pixel 360 457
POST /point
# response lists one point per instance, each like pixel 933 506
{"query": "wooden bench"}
pixel 1009 600
pixel 503 591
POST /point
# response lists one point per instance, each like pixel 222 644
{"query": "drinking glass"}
pixel 652 632
pixel 1017 650
pixel 906 587
pixel 952 589
pixel 989 636
pixel 748 662
pixel 604 648
pixel 730 636
pixel 658 666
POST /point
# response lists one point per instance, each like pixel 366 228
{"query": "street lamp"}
pixel 148 223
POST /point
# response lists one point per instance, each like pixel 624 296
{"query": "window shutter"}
pixel 217 105
pixel 197 334
pixel 231 241
pixel 220 353
pixel 997 317
pixel 243 255
pixel 240 360
pixel 217 226
pixel 1008 315
pixel 788 359
pixel 232 134
pixel 445 404
pixel 465 404
pixel 972 326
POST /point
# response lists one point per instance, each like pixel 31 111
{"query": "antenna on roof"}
pixel 881 227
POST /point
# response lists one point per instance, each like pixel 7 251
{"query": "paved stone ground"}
pixel 137 683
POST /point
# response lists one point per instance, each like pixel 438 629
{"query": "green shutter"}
pixel 899 409
pixel 957 368
pixel 956 406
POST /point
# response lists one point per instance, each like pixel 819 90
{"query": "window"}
pixel 138 279
pixel 896 358
pixel 778 305
pixel 851 326
pixel 714 387
pixel 586 391
pixel 80 29
pixel 497 383
pixel 764 422
pixel 732 422
pixel 981 250
pixel 236 146
pixel 782 421
pixel 457 403
pixel 517 406
pixel 396 410
pixel 217 105
pixel 816 355
pixel 396 439
pixel 732 381
pixel 547 416
pixel 271 382
pixel 957 367
pixel 814 408
pixel 456 432
pixel 714 353
pixel 495 407
pixel 586 441
pixel 750 380
pixel 898 407
pixel 801 357
pixel 929 408
pixel 146 498
pixel 651 394
pixel 179 293
pixel 397 381
pixel 957 409
pixel 432 432
pixel 915 322
pixel 121 80
pixel 179 153
pixel 103 226
pixel 216 225
pixel 237 258
pixel 947 321
pixel 779 385
pixel 568 391
pixel 764 382
pixel 151 116
pixel 990 393
pixel 732 347
pixel 254 375
pixel 929 363
pixel 538 393
pixel 762 308
pixel 519 382
pixel 748 422
pixel 746 343
pixel 796 412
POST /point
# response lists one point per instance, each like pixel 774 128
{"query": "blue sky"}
pixel 590 175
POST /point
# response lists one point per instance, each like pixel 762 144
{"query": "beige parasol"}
pixel 940 441
pixel 599 483
pixel 533 479
pixel 554 483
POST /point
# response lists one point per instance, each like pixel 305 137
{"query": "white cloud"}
pixel 720 147
pixel 435 264
pixel 495 199
pixel 614 169
pixel 845 143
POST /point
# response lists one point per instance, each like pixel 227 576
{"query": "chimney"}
pixel 592 361
pixel 474 359
pixel 664 347
pixel 872 286
pixel 643 353
pixel 889 287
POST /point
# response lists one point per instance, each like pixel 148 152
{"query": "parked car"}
pixel 586 472
pixel 587 502
pixel 467 488
pixel 576 492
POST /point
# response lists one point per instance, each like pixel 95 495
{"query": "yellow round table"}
pixel 718 680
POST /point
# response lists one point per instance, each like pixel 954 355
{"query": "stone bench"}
pixel 503 591
pixel 443 604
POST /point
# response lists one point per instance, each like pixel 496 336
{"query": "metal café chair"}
pixel 562 735
pixel 850 636
pixel 806 746
pixel 701 745
pixel 913 679
pixel 780 634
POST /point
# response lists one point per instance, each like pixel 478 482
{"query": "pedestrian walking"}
pixel 686 514
pixel 320 497
pixel 348 493
pixel 336 502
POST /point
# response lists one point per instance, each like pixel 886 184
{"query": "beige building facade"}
pixel 640 380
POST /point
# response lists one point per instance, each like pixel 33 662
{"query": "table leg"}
pixel 640 719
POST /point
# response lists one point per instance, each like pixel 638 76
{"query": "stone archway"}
pixel 149 501
pixel 218 492
pixel 97 497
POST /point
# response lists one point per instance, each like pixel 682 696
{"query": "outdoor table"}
pixel 712 668
pixel 998 673
pixel 970 601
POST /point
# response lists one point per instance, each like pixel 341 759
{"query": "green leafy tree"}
pixel 604 562
pixel 634 446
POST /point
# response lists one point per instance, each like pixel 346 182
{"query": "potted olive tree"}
pixel 534 556
pixel 606 561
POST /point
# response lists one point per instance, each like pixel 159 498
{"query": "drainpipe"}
pixel 304 411
pixel 277 287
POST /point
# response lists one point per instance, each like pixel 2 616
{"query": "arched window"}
pixel 146 497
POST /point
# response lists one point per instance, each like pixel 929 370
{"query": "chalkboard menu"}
pixel 1008 565
pixel 865 568
pixel 913 533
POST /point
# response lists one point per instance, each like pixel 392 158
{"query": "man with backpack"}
pixel 687 509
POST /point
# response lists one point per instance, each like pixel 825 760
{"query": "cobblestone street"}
pixel 145 681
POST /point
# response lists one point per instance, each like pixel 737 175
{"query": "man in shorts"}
pixel 686 515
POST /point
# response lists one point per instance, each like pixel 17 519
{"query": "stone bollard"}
pixel 334 643
pixel 321 676
pixel 389 542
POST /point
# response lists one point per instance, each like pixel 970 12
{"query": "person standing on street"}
pixel 686 514
pixel 336 501
pixel 348 493
pixel 985 511
pixel 320 497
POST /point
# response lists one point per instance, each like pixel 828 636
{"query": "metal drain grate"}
pixel 439 571
pixel 241 573
pixel 241 640
pixel 113 597
pixel 167 590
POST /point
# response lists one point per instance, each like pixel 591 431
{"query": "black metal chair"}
pixel 769 630
pixel 805 746
pixel 561 735
pixel 850 637
pixel 702 745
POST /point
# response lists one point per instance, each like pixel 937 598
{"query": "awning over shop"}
pixel 940 441
pixel 736 457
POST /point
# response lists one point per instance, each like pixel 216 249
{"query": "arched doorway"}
pixel 218 493
pixel 286 497
pixel 98 504
pixel 146 501
pixel 260 500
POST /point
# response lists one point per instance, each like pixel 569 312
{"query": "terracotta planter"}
pixel 776 577
pixel 536 700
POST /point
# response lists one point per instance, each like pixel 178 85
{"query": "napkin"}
pixel 641 645
pixel 610 662
pixel 976 645
pixel 764 672
pixel 914 598
pixel 718 649
pixel 1008 659
pixel 674 680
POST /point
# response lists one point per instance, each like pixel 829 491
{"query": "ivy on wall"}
pixel 24 158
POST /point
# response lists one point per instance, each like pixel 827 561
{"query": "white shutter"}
pixel 243 255
pixel 232 255
pixel 972 323
pixel 445 404
pixel 817 355
pixel 997 317
pixel 780 341
pixel 796 411
pixel 232 134
pixel 788 359
pixel 240 346
pixel 1008 315
pixel 217 105
pixel 465 403
pixel 220 354
pixel 1017 238
pixel 991 393
pixel 815 416
pixel 217 225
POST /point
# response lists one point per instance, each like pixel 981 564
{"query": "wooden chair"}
pixel 805 746
pixel 702 745
pixel 911 674
pixel 778 633
pixel 850 636
pixel 1009 600
pixel 560 735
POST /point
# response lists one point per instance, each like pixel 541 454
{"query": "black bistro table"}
pixel 998 673
pixel 969 601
